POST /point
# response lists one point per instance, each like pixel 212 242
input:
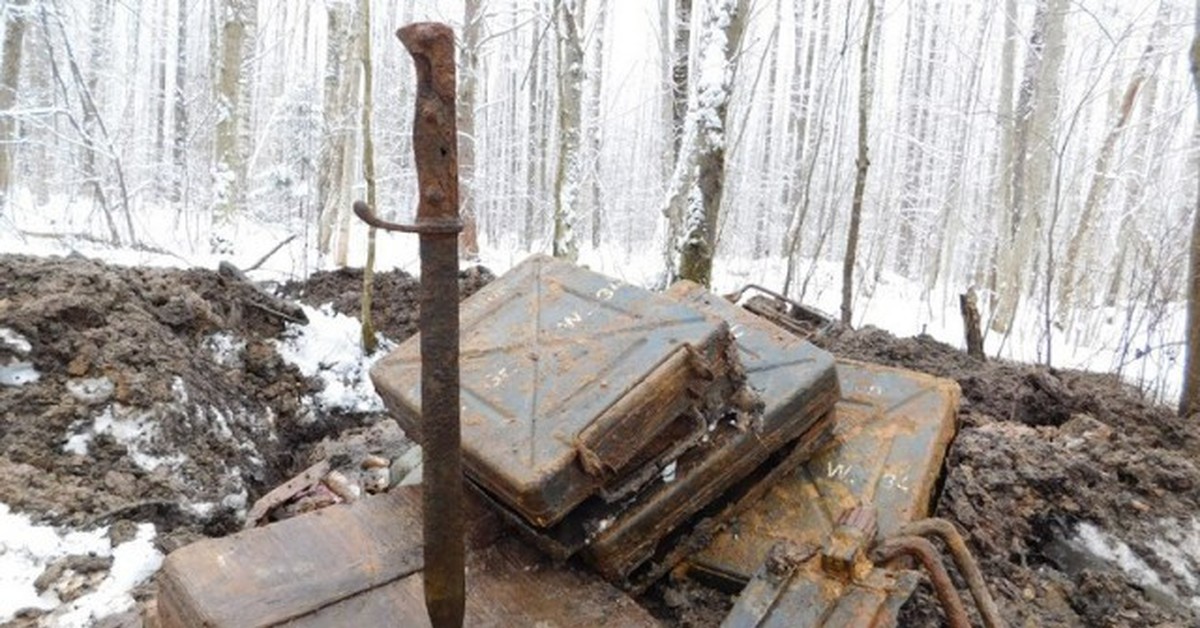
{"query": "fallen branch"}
pixel 264 258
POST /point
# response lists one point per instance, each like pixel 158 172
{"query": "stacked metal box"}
pixel 605 420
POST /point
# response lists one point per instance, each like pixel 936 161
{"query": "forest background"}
pixel 875 158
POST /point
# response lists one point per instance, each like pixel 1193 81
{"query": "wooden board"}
pixel 508 584
pixel 360 565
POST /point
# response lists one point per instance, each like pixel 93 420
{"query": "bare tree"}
pixel 595 128
pixel 232 92
pixel 680 71
pixel 1189 402
pixel 10 80
pixel 179 140
pixel 1101 172
pixel 861 164
pixel 569 173
pixel 1034 154
pixel 338 137
pixel 704 149
pixel 369 341
pixel 468 241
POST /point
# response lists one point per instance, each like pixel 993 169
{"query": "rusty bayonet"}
pixel 435 138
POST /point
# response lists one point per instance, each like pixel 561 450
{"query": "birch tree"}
pixel 701 164
pixel 568 177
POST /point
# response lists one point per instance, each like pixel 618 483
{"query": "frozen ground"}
pixel 327 349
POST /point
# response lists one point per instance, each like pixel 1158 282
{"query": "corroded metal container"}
pixel 890 437
pixel 573 384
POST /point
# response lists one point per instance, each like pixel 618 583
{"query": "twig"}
pixel 264 258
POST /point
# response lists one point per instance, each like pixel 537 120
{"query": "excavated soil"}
pixel 1041 456
pixel 161 397
pixel 394 303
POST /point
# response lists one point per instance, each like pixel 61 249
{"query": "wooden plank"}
pixel 272 574
pixel 508 584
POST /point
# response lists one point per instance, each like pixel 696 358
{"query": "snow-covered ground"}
pixel 26 549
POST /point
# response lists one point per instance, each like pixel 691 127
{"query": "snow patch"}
pixel 134 429
pixel 26 549
pixel 91 390
pixel 329 348
pixel 15 341
pixel 668 473
pixel 1179 547
pixel 1113 550
pixel 226 348
pixel 133 563
pixel 18 374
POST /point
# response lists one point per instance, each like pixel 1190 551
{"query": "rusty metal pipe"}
pixel 927 554
pixel 967 566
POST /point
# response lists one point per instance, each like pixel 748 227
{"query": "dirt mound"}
pixel 394 304
pixel 158 395
pixel 148 394
pixel 1074 492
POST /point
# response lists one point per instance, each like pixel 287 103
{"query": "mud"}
pixel 394 305
pixel 160 397
pixel 1041 454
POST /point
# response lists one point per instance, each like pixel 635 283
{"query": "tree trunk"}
pixel 1002 183
pixel 1100 174
pixel 1189 402
pixel 369 340
pixel 862 163
pixel 1037 109
pixel 10 81
pixel 534 155
pixel 721 34
pixel 179 139
pixel 968 306
pixel 468 241
pixel 680 76
pixel 803 159
pixel 232 90
pixel 333 196
pixel 568 176
pixel 595 128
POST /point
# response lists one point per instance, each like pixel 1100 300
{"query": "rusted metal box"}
pixel 573 384
pixel 361 565
pixel 765 428
pixel 891 432
pixel 796 386
pixel 806 595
